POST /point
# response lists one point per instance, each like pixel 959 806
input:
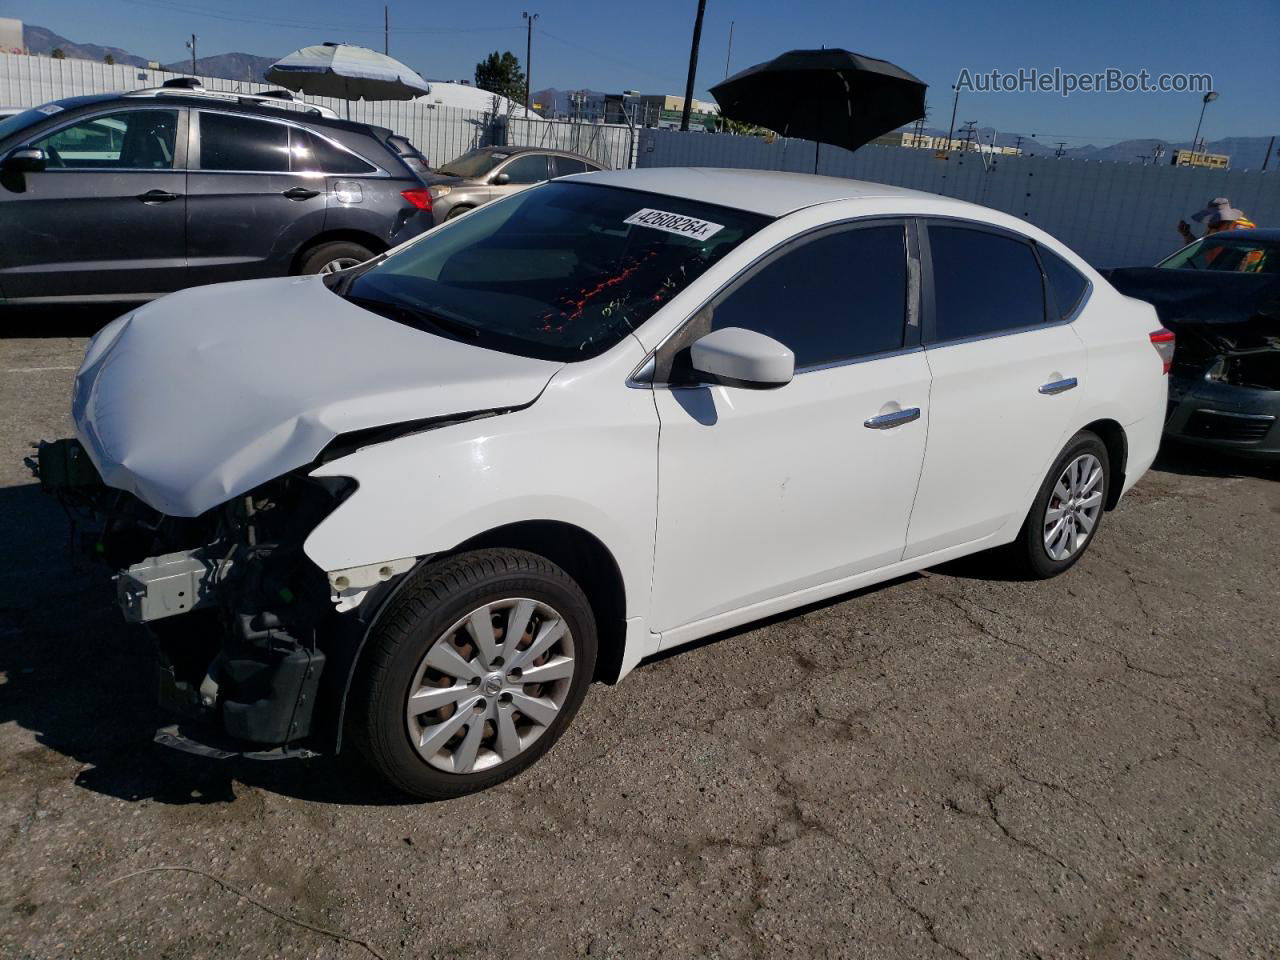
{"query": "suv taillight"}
pixel 1163 341
pixel 420 197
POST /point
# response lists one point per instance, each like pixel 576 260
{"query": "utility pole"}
pixel 693 65
pixel 1017 144
pixel 1057 154
pixel 729 52
pixel 1266 157
pixel 386 31
pixel 528 57
pixel 192 44
pixel 954 103
pixel 969 133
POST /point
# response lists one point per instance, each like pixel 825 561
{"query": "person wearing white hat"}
pixel 1218 215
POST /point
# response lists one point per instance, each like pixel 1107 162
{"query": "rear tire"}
pixel 443 705
pixel 457 212
pixel 333 256
pixel 1066 514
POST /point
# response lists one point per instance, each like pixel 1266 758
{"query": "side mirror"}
pixel 26 160
pixel 500 180
pixel 743 358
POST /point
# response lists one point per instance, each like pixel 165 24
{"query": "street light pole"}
pixel 192 44
pixel 693 65
pixel 528 57
pixel 1208 99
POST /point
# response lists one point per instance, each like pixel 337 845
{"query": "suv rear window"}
pixel 312 153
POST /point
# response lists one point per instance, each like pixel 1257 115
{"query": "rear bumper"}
pixel 1244 421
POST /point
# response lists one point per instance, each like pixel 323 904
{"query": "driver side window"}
pixel 832 299
pixel 128 140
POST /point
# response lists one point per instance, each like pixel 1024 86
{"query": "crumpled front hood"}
pixel 205 394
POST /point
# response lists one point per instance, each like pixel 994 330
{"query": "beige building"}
pixel 1189 158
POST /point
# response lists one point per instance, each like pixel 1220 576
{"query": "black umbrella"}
pixel 832 96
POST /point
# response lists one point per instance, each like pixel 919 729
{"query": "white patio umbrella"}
pixel 347 72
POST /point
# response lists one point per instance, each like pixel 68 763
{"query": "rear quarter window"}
pixel 1067 285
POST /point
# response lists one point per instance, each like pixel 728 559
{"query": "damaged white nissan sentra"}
pixel 421 504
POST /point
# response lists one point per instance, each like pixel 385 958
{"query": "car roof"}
pixel 771 192
pixel 556 150
pixel 1265 234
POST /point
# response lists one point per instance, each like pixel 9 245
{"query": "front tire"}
pixel 474 673
pixel 1067 511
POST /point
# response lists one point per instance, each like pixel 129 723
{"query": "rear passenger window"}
pixel 1066 285
pixel 568 165
pixel 839 297
pixel 983 283
pixel 530 168
pixel 229 142
pixel 312 153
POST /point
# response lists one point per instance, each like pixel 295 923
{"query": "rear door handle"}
pixel 301 193
pixel 1059 386
pixel 896 419
pixel 157 196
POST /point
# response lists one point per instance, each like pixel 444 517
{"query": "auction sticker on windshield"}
pixel 675 223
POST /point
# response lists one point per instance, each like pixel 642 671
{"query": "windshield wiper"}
pixel 417 317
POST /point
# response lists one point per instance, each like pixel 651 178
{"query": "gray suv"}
pixel 130 196
pixel 488 173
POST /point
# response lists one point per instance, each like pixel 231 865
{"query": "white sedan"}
pixel 420 505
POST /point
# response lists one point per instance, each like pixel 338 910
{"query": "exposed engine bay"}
pixel 259 621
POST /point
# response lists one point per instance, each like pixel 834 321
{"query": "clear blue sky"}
pixel 645 45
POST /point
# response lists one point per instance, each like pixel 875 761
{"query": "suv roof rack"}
pixel 192 87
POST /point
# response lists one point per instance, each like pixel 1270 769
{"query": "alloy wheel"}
pixel 490 685
pixel 339 263
pixel 1073 508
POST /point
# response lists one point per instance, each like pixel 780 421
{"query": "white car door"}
pixel 763 493
pixel 1007 380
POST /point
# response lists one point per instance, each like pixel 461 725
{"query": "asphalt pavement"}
pixel 950 765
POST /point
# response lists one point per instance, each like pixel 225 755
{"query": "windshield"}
pixel 20 121
pixel 560 272
pixel 1228 253
pixel 474 163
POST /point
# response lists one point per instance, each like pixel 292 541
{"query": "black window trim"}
pixel 180 143
pixel 196 160
pixel 646 374
pixel 929 306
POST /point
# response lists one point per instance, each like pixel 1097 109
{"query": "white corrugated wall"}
pixel 1112 214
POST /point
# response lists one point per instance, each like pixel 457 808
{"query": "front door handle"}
pixel 1059 386
pixel 896 419
pixel 301 193
pixel 157 196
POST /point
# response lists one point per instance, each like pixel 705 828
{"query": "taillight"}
pixel 420 197
pixel 1163 341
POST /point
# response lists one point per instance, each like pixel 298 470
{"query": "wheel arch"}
pixel 581 555
pixel 585 558
pixel 1116 441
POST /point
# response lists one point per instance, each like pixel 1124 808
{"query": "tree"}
pixel 501 74
pixel 57 54
pixel 109 60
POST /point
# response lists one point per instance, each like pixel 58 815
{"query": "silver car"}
pixel 488 173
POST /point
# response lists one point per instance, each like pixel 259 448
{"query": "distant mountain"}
pixel 230 66
pixel 1246 153
pixel 45 41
